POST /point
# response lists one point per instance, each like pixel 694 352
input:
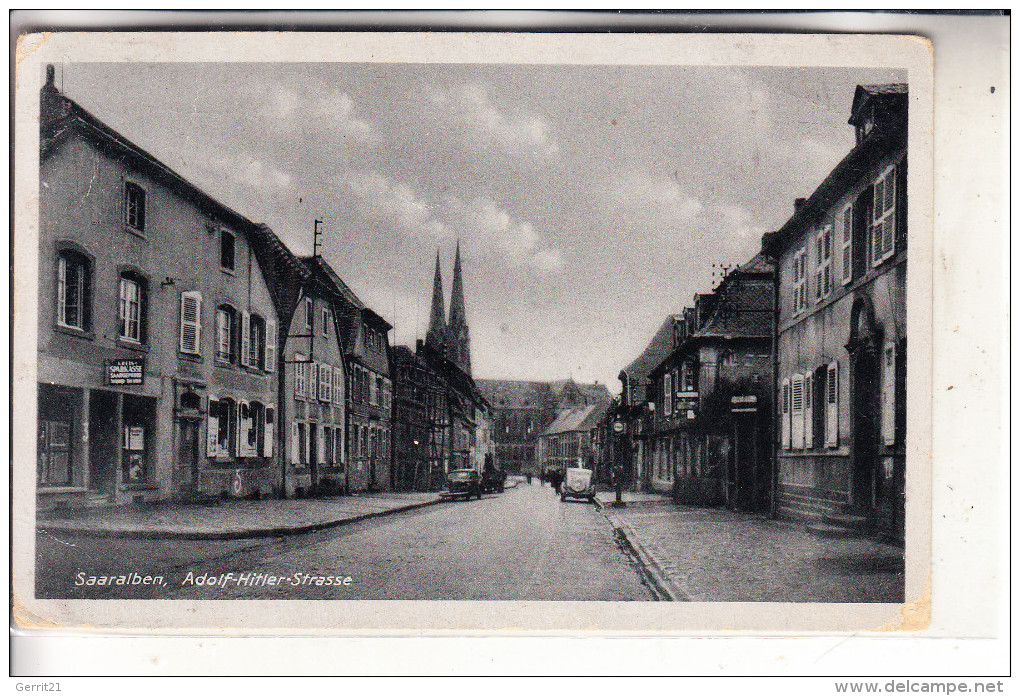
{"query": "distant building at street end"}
pixel 572 440
pixel 842 343
pixel 521 410
pixel 710 439
pixel 157 344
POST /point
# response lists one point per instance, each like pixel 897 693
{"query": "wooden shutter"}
pixel 784 419
pixel 320 451
pixel 243 429
pixel 797 411
pixel 832 405
pixel 338 385
pixel 325 382
pixel 295 444
pixel 809 434
pixel 246 338
pixel 313 380
pixel 270 365
pixel 667 394
pixel 300 370
pixel 848 238
pixel 191 322
pixel 269 432
pixel 212 429
pixel 889 393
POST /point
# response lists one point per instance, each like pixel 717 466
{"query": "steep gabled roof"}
pixel 657 349
pixel 577 419
pixel 512 393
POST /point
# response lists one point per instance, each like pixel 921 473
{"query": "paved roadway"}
pixel 523 544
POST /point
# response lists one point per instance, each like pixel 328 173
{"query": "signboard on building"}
pixel 744 404
pixel 123 371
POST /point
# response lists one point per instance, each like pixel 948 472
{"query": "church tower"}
pixel 436 335
pixel 459 342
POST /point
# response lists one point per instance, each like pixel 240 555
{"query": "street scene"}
pixel 472 332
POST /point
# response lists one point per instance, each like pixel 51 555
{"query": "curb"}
pixel 221 536
pixel 662 588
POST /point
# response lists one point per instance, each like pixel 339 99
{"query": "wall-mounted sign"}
pixel 744 404
pixel 617 427
pixel 125 371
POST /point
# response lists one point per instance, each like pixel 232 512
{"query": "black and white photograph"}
pixel 355 330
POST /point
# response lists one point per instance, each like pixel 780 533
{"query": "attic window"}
pixel 226 250
pixel 134 206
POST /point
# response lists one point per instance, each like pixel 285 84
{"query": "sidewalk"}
pixel 715 555
pixel 232 519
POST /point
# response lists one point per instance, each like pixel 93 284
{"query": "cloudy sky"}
pixel 589 201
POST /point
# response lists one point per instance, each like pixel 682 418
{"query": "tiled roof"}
pixel 744 311
pixel 511 393
pixel 573 420
pixel 759 264
pixel 658 348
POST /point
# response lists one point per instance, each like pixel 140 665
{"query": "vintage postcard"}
pixel 472 332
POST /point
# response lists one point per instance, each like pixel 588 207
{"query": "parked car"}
pixel 465 483
pixel 579 483
pixel 493 480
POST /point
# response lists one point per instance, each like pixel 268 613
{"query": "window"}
pixel 831 405
pixel 799 280
pixel 226 333
pixel 191 322
pixel 325 383
pixel 134 206
pixel 338 386
pixel 327 445
pixel 848 239
pixel 74 280
pixel 309 315
pixel 785 414
pixel 313 380
pixel 132 314
pixel 338 445
pixel 687 381
pixel 883 227
pixel 667 394
pixel 268 432
pixel 325 321
pixel 809 435
pixel 256 342
pixel 376 390
pixel 300 375
pixel 301 442
pixel 823 271
pixel 222 428
pixel 227 244
pixel 269 353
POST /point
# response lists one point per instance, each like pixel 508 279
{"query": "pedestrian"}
pixel 528 476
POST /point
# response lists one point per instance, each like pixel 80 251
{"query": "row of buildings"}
pixel 184 351
pixel 784 389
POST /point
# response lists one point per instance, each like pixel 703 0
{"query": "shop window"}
pixel 136 434
pixel 134 207
pixel 55 451
pixel 222 436
pixel 227 249
pixel 226 334
pixel 133 310
pixel 74 282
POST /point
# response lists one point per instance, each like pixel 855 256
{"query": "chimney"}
pixel 798 203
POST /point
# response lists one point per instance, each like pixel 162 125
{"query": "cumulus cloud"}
pixel 516 241
pixel 486 125
pixel 738 223
pixel 651 201
pixel 394 203
pixel 332 111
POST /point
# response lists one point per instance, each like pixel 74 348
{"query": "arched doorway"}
pixel 865 338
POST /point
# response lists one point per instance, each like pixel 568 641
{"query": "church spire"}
pixel 459 340
pixel 436 335
pixel 457 314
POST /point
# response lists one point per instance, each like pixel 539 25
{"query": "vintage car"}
pixel 493 480
pixel 578 483
pixel 463 483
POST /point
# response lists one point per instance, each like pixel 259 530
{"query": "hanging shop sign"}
pixel 125 371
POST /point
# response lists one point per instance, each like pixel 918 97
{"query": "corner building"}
pixel 157 332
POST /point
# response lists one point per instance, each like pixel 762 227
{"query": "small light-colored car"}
pixel 579 483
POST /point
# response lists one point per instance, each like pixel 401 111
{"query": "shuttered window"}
pixel 295 443
pixel 270 432
pixel 883 226
pixel 797 411
pixel 848 244
pixel 800 280
pixel 809 436
pixel 246 340
pixel 823 269
pixel 313 380
pixel 832 405
pixel 270 359
pixel 191 322
pixel 212 429
pixel 667 394
pixel 245 426
pixel 784 419
pixel 300 375
pixel 338 385
pixel 326 383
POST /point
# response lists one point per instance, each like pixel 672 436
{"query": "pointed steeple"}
pixel 459 349
pixel 457 314
pixel 436 335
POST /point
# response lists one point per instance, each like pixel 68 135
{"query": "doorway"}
pixel 186 472
pixel 864 385
pixel 104 440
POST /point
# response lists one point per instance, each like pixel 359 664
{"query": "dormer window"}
pixel 134 207
pixel 227 244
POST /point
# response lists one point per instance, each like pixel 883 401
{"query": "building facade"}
pixel 841 341
pixel 572 440
pixel 157 331
pixel 711 430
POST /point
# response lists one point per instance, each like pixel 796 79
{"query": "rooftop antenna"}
pixel 316 239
